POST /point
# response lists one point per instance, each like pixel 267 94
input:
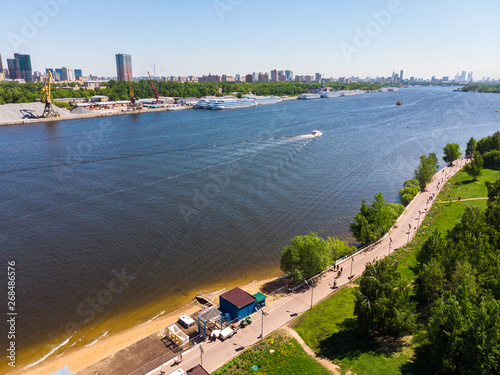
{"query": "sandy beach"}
pixel 82 357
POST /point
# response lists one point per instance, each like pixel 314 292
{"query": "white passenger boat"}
pixel 264 100
pixel 233 103
pixel 330 94
pixel 309 96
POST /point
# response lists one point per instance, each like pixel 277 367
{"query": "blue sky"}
pixel 197 37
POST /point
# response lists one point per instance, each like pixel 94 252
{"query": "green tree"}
pixel 339 248
pixel 451 152
pixel 372 221
pixel 383 304
pixel 475 167
pixel 305 256
pixel 426 169
pixel 489 143
pixel 471 147
pixel 430 282
pixel 492 159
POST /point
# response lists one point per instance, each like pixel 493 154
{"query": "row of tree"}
pixel 482 87
pixel 456 296
pixel 13 92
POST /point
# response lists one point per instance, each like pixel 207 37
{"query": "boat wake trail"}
pixel 162 152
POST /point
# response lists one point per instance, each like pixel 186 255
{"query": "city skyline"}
pixel 236 37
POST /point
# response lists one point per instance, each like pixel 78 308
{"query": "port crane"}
pixel 133 99
pixel 49 109
pixel 157 97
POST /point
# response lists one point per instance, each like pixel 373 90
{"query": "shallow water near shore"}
pixel 115 221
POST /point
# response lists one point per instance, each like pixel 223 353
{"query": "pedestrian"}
pixel 341 269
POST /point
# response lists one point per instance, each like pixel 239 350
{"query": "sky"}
pixel 336 38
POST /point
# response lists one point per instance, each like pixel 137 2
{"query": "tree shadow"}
pixel 273 285
pixel 466 182
pixel 420 364
pixel 349 342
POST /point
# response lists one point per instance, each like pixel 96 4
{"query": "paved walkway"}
pixel 462 200
pixel 279 313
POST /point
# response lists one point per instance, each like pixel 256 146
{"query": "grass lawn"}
pixel 288 358
pixel 330 330
pixel 462 185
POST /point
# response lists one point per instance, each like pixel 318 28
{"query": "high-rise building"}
pixel 78 73
pixel 469 77
pixel 463 76
pixel 124 67
pixel 317 77
pixel 67 74
pixel 274 75
pixel 249 78
pixel 58 75
pixel 401 75
pixel 263 77
pixel 289 75
pixel 24 66
pixel 1 64
pixel 13 66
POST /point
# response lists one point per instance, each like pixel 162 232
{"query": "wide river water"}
pixel 141 211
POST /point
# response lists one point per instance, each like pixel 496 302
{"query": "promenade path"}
pixel 285 309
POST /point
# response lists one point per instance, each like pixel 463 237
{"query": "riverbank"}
pixel 27 113
pixel 81 358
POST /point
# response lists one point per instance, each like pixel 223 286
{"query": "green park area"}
pixel 277 354
pixel 331 329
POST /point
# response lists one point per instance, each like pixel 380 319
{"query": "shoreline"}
pixel 95 114
pixel 82 357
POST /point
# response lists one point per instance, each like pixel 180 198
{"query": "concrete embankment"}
pixel 27 113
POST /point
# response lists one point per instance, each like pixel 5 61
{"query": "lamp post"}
pixel 312 293
pixel 201 355
pixel 262 326
pixel 352 261
pixel 418 221
pixel 409 230
pixel 390 243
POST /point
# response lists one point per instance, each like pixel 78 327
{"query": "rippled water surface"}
pixel 172 202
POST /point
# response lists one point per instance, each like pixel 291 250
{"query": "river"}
pixel 112 221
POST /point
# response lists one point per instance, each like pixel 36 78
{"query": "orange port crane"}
pixel 48 110
pixel 157 97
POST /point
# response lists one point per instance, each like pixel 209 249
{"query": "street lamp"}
pixel 409 230
pixel 312 293
pixel 262 325
pixel 390 242
pixel 418 221
pixel 352 261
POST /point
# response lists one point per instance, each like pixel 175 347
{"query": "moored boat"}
pixel 309 96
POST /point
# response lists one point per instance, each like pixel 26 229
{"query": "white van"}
pixel 178 372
